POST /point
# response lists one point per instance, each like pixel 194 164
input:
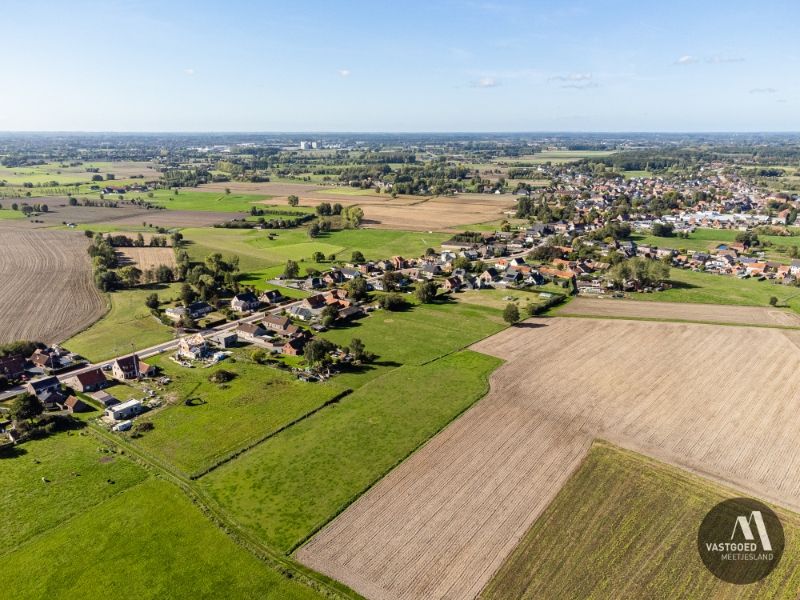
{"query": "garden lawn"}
pixel 223 418
pixel 128 326
pixel 287 488
pixel 148 542
pixel 77 469
pixel 632 527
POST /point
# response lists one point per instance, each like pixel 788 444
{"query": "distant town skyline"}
pixel 446 66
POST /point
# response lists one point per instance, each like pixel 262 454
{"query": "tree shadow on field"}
pixel 12 452
pixel 682 285
pixel 528 325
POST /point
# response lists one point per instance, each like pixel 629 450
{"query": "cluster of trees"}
pixel 109 277
pixel 211 279
pixel 156 241
pixel 640 272
pixel 324 209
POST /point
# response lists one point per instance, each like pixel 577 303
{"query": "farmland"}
pixel 128 325
pixel 667 311
pixel 77 478
pixel 218 420
pixel 606 512
pixel 262 258
pixel 46 288
pixel 166 545
pixel 146 258
pixel 191 200
pixel 302 477
pixel 474 488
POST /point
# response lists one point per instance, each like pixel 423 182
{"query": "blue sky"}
pixel 449 65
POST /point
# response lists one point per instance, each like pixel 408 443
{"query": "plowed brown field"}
pixel 46 288
pixel 720 401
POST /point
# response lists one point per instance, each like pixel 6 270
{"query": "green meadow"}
pixel 147 542
pixel 128 326
pixel 53 480
pixel 203 201
pixel 207 421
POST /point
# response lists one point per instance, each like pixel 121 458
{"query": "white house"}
pixel 126 410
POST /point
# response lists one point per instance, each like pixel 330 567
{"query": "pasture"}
pixel 261 258
pixel 606 511
pixel 445 520
pixel 46 287
pixel 189 199
pixel 287 487
pixel 77 469
pixel 161 542
pixel 205 422
pixel 128 325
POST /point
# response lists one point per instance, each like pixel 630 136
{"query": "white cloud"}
pixel 344 72
pixel 687 59
pixel 189 72
pixel 486 82
pixel 572 77
pixel 765 90
pixel 584 85
pixel 721 60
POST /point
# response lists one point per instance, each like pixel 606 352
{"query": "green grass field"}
pixel 625 526
pixel 77 475
pixel 288 487
pixel 221 419
pixel 128 324
pixel 203 201
pixel 262 258
pixel 707 288
pixel 8 214
pixel 147 542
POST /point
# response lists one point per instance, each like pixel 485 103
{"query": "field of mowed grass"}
pixel 625 526
pixel 221 419
pixel 707 288
pixel 47 482
pixel 127 326
pixel 203 201
pixel 148 542
pixel 287 488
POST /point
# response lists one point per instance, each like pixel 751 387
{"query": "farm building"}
pixel 192 347
pixel 130 367
pixel 350 312
pixel 126 410
pixel 88 381
pixel 104 398
pixel 294 347
pixel 226 339
pixel 76 405
pixel 245 302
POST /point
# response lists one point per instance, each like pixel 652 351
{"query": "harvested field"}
pixel 121 217
pixel 46 287
pixel 146 258
pixel 671 311
pixel 411 213
pixel 441 523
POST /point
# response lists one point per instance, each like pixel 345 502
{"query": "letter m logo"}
pixel 744 523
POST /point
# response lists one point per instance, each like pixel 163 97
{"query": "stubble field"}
pixel 46 287
pixel 443 522
pixel 146 258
